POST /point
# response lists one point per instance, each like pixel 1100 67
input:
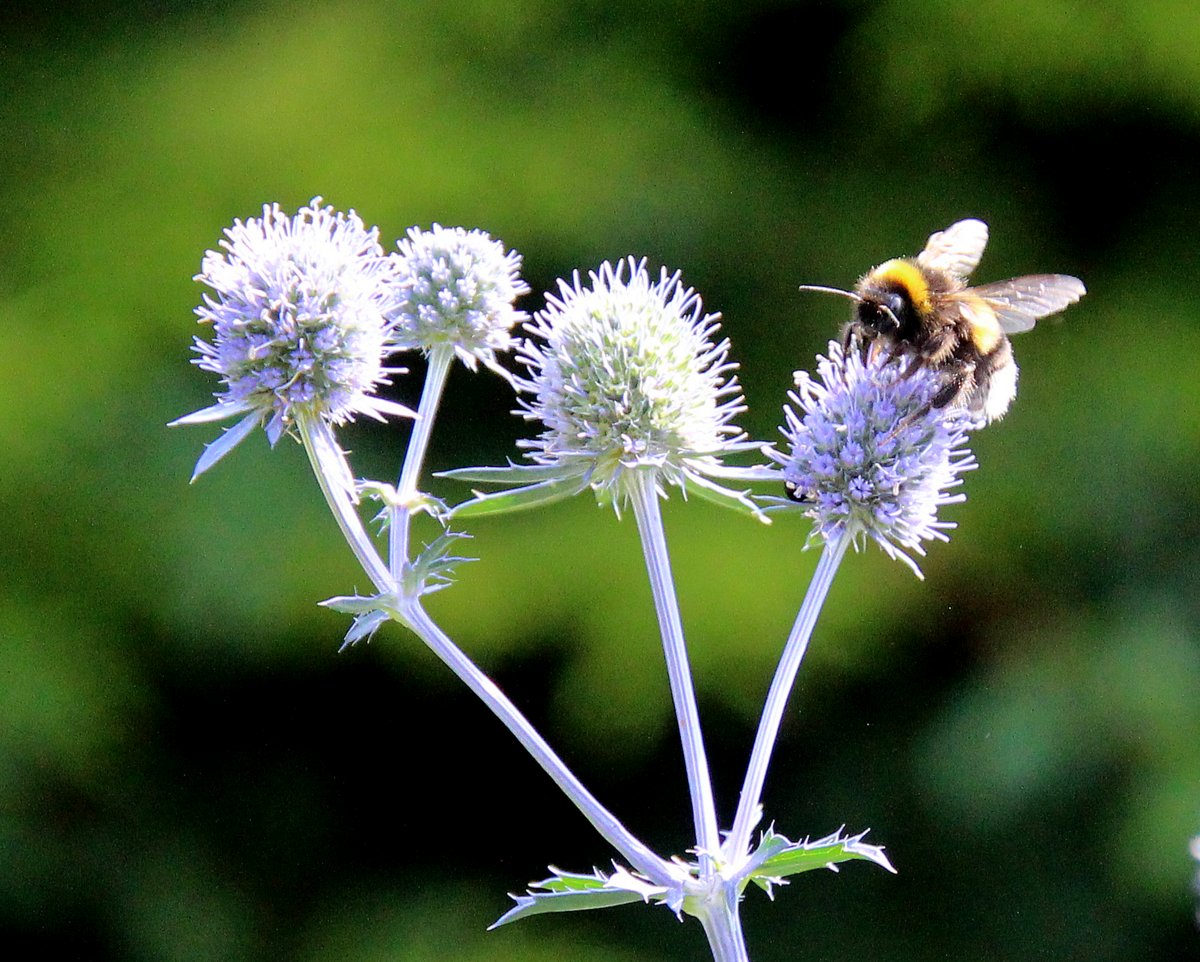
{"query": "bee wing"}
pixel 1020 301
pixel 957 249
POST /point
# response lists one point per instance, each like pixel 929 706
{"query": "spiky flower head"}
pixel 869 456
pixel 456 287
pixel 625 376
pixel 301 314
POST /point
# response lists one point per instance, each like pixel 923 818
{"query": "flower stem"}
pixel 644 495
pixel 738 843
pixel 400 514
pixel 639 855
pixel 723 927
pixel 332 472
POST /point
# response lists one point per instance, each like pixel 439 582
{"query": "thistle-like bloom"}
pixel 868 455
pixel 456 287
pixel 627 377
pixel 301 312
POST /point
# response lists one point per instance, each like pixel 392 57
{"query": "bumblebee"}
pixel 922 308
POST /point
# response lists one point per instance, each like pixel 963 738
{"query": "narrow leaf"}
pixel 544 902
pixel 756 472
pixel 574 892
pixel 518 499
pixel 723 497
pixel 354 604
pixel 515 473
pixel 229 439
pixel 216 412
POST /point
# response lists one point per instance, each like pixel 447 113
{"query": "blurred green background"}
pixel 188 768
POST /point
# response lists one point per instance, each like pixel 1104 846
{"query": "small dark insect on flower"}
pixel 922 307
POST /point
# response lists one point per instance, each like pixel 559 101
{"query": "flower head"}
pixel 868 454
pixel 301 312
pixel 456 287
pixel 625 377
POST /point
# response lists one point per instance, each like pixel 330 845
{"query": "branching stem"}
pixel 738 843
pixel 400 514
pixel 644 494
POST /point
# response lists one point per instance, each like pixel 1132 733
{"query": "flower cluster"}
pixel 626 376
pixel 868 454
pixel 633 394
pixel 456 287
pixel 301 311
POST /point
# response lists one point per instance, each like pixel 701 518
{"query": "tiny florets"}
pixel 625 375
pixel 456 287
pixel 868 454
pixel 301 314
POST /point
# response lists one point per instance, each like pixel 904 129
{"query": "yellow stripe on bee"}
pixel 908 276
pixel 985 327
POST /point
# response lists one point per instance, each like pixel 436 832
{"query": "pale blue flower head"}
pixel 456 287
pixel 301 310
pixel 868 454
pixel 624 376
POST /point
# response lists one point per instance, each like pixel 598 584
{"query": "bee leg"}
pixel 897 351
pixel 959 383
pixel 933 353
pixel 856 339
pixel 854 335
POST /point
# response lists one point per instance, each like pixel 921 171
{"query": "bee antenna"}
pixel 831 290
pixel 857 298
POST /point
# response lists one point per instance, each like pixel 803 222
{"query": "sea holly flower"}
pixel 456 288
pixel 301 309
pixel 626 381
pixel 633 396
pixel 454 298
pixel 869 456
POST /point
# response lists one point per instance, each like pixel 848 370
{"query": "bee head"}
pixel 892 300
pixel 883 312
pixel 875 311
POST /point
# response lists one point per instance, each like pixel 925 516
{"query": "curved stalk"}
pixel 333 473
pixel 639 855
pixel 738 843
pixel 644 494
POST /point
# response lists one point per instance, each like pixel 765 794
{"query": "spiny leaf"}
pixel 574 892
pixel 777 857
